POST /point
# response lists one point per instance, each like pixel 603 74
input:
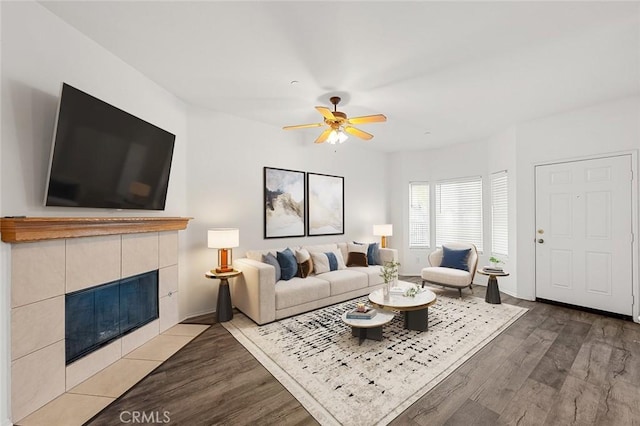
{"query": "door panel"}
pixel 583 242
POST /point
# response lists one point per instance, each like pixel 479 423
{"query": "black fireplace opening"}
pixel 97 316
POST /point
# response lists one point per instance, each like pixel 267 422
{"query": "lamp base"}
pixel 383 242
pixel 223 269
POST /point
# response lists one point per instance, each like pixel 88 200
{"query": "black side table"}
pixel 224 310
pixel 493 292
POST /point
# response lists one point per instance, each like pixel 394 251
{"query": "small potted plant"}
pixel 389 275
pixel 495 262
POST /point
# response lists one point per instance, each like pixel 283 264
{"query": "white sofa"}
pixel 257 294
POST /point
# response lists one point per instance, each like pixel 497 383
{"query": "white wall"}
pixel 39 52
pixel 596 130
pixel 226 158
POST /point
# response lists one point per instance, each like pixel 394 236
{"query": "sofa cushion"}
pixel 357 255
pixel 305 265
pixel 271 260
pixel 449 276
pixel 298 291
pixel 456 259
pixel 329 261
pixel 345 280
pixel 288 264
pixel 373 273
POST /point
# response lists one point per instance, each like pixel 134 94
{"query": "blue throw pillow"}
pixel 271 260
pixel 333 261
pixel 456 259
pixel 373 253
pixel 288 264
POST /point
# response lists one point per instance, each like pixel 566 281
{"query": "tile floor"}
pixel 90 397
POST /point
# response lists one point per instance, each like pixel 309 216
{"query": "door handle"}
pixel 540 240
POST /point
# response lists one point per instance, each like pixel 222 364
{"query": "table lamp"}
pixel 383 231
pixel 224 239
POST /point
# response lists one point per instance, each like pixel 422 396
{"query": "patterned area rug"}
pixel 339 381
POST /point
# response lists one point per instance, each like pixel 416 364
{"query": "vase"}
pixel 385 289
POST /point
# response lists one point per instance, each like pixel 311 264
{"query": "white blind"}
pixel 419 235
pixel 499 214
pixel 459 212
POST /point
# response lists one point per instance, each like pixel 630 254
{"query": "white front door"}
pixel 584 233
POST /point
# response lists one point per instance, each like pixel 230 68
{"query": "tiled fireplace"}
pixel 43 272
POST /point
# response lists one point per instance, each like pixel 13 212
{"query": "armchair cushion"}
pixel 447 276
pixel 456 259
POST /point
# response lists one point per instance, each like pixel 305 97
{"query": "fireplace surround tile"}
pixel 160 348
pixel 67 410
pixel 169 315
pixel 191 330
pixel 89 365
pixel 36 325
pixel 139 253
pixel 140 336
pixel 37 271
pixel 117 378
pixel 92 261
pixel 168 280
pixel 36 379
pixel 168 248
pixel 41 273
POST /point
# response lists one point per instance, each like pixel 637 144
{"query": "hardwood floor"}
pixel 554 365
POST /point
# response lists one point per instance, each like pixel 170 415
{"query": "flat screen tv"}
pixel 105 157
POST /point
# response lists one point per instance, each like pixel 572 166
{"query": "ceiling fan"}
pixel 339 122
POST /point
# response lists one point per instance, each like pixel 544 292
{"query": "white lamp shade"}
pixel 385 230
pixel 223 238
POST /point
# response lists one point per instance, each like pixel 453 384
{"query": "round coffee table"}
pixel 416 309
pixel 368 328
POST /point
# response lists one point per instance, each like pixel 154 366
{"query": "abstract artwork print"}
pixel 284 203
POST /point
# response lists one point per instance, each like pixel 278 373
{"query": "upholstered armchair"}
pixel 454 265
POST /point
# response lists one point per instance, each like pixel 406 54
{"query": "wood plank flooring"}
pixel 553 366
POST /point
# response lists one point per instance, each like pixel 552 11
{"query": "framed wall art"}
pixel 284 203
pixel 325 204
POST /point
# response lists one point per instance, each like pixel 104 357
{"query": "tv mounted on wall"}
pixel 105 157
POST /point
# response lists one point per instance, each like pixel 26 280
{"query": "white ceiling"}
pixel 442 72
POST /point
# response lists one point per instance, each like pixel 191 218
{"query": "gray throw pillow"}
pixel 270 259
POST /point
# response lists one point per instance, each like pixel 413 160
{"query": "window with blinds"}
pixel 499 214
pixel 459 212
pixel 419 233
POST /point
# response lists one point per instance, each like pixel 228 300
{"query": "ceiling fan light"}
pixel 333 137
pixel 342 136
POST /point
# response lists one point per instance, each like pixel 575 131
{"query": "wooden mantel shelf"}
pixel 26 229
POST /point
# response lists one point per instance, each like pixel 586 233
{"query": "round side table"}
pixel 224 310
pixel 493 292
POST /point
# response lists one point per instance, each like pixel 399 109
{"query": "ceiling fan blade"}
pixel 358 133
pixel 367 119
pixel 326 112
pixel 323 136
pixel 302 126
